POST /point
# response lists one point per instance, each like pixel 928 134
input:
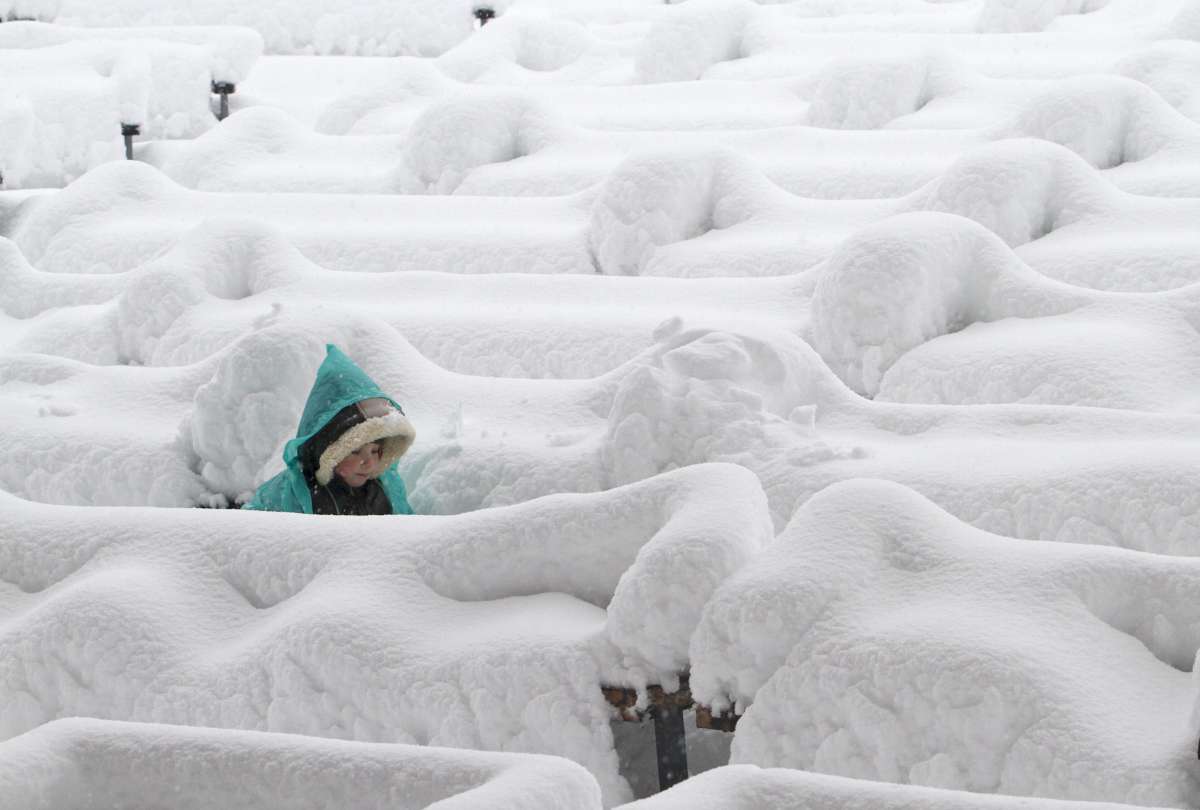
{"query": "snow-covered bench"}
pixel 493 630
pixel 80 764
pixel 881 638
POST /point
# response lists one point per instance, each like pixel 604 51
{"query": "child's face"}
pixel 362 465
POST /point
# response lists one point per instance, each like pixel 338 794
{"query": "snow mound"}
pixel 708 396
pixel 453 137
pixel 239 423
pixel 25 292
pixel 656 199
pixel 126 213
pixel 258 149
pixel 911 278
pixel 412 27
pixel 371 630
pixel 1168 68
pixel 226 259
pixel 880 638
pixel 1013 16
pixel 517 46
pixel 1019 189
pixel 693 37
pixel 860 92
pixel 80 763
pixel 747 787
pixel 111 185
pixel 1115 360
pixel 1106 120
pixel 231 51
pixel 404 83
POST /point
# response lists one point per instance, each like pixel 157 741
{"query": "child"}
pixel 342 460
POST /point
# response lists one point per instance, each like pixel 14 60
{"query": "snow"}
pixel 839 353
pixel 92 763
pixel 75 87
pixel 495 629
pixel 414 27
pixel 747 787
pixel 817 641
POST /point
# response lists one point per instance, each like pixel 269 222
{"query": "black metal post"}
pixel 128 131
pixel 484 15
pixel 224 90
pixel 670 743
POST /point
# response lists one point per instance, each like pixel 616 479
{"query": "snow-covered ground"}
pixel 843 354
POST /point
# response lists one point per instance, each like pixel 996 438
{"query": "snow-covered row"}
pixel 180 307
pixel 411 27
pixel 746 787
pixel 491 631
pixel 708 213
pixel 736 39
pixel 919 86
pixel 178 435
pixel 231 51
pixel 511 144
pixel 124 213
pixel 881 638
pixel 80 764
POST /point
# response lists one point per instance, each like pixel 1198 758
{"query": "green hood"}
pixel 339 383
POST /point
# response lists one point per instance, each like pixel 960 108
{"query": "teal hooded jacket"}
pixel 340 382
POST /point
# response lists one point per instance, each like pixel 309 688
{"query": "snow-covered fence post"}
pixel 666 710
pixel 670 743
pixel 224 90
pixel 484 14
pixel 128 131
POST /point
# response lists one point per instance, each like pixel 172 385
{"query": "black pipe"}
pixel 224 90
pixel 670 744
pixel 128 131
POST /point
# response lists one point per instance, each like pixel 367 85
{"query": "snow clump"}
pixel 656 199
pixel 911 278
pixel 691 38
pixel 859 92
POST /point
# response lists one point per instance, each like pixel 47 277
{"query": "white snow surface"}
pixel 492 630
pixel 419 27
pixel 86 763
pixel 748 787
pixel 842 352
pixel 881 638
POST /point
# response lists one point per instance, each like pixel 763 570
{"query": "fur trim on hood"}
pixel 393 429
